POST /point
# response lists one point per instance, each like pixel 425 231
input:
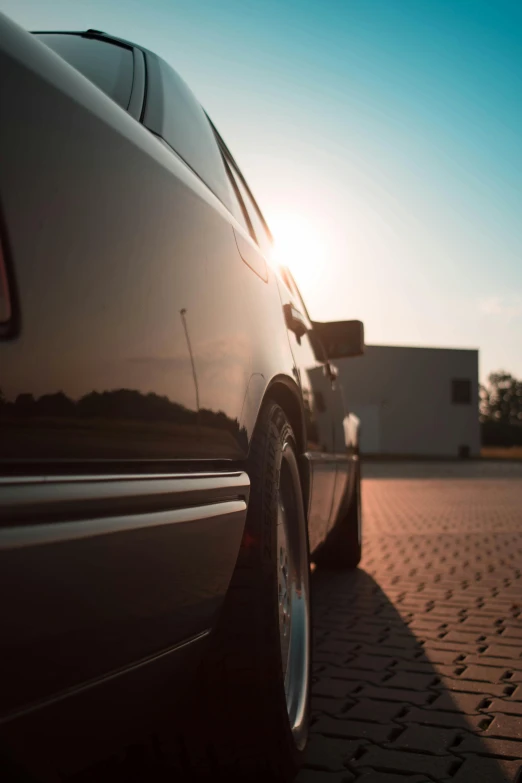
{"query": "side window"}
pixel 258 228
pixel 237 206
pixel 110 66
pixel 243 205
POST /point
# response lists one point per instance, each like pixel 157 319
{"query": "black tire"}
pixel 240 727
pixel 343 546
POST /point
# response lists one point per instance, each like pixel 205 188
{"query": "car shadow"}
pixel 389 699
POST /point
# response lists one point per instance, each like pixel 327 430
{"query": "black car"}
pixel 174 446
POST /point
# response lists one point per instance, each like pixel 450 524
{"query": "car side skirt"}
pixel 105 578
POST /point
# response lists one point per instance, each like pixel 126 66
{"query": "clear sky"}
pixel 382 138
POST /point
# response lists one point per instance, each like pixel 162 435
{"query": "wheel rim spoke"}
pixel 284 587
pixel 293 603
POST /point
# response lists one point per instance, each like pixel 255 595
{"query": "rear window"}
pixel 108 65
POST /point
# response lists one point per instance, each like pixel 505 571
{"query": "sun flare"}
pixel 299 246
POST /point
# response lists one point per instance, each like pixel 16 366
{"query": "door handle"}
pixel 295 320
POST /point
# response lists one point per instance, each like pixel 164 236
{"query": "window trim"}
pixel 138 94
pixel 240 200
pixel 254 202
pixel 230 162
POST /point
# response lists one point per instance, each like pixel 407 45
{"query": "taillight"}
pixel 6 311
pixel 9 313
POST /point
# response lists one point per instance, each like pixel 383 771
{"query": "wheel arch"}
pixel 285 392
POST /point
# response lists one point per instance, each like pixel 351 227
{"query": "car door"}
pixel 313 374
pixel 322 402
pixel 343 454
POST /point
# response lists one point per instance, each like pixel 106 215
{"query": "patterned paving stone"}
pixel 483 770
pixel 506 707
pixel 337 647
pixel 491 746
pixel 515 693
pixel 337 727
pixel 385 777
pixel 426 667
pixel 393 694
pixel 334 707
pixel 426 739
pixel 504 651
pixel 484 660
pixel 350 673
pixel 471 686
pixel 385 760
pixel 465 703
pixel 454 720
pixel 420 650
pixel 372 662
pixel 334 688
pixel 484 673
pixel 505 726
pixel 316 776
pixel 377 711
pixel 409 680
pixel 330 755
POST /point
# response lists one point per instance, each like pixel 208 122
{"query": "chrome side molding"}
pixel 36 500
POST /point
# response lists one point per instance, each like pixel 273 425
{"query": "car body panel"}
pixel 329 441
pixel 114 571
pixel 85 725
pixel 150 328
pixel 139 379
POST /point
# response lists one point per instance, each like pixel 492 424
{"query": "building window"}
pixel 461 391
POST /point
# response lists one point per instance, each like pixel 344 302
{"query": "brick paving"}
pixel 418 654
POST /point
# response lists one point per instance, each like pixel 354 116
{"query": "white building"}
pixel 414 401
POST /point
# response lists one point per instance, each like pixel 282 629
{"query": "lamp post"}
pixel 184 322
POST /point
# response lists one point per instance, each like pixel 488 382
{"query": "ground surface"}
pixel 497 452
pixel 418 654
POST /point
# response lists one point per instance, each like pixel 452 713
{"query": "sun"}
pixel 299 246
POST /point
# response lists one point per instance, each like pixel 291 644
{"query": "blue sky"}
pixel 382 138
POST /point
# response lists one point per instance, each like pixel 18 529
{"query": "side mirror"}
pixel 341 339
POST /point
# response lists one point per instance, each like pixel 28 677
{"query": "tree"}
pixel 501 399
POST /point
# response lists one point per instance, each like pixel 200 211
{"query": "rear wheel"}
pixel 252 711
pixel 343 547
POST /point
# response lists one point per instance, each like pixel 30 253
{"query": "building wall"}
pixel 403 397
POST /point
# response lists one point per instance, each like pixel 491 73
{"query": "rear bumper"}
pixel 107 580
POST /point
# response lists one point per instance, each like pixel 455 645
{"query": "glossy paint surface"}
pixel 113 571
pixel 142 325
pixel 152 326
pixel 150 329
